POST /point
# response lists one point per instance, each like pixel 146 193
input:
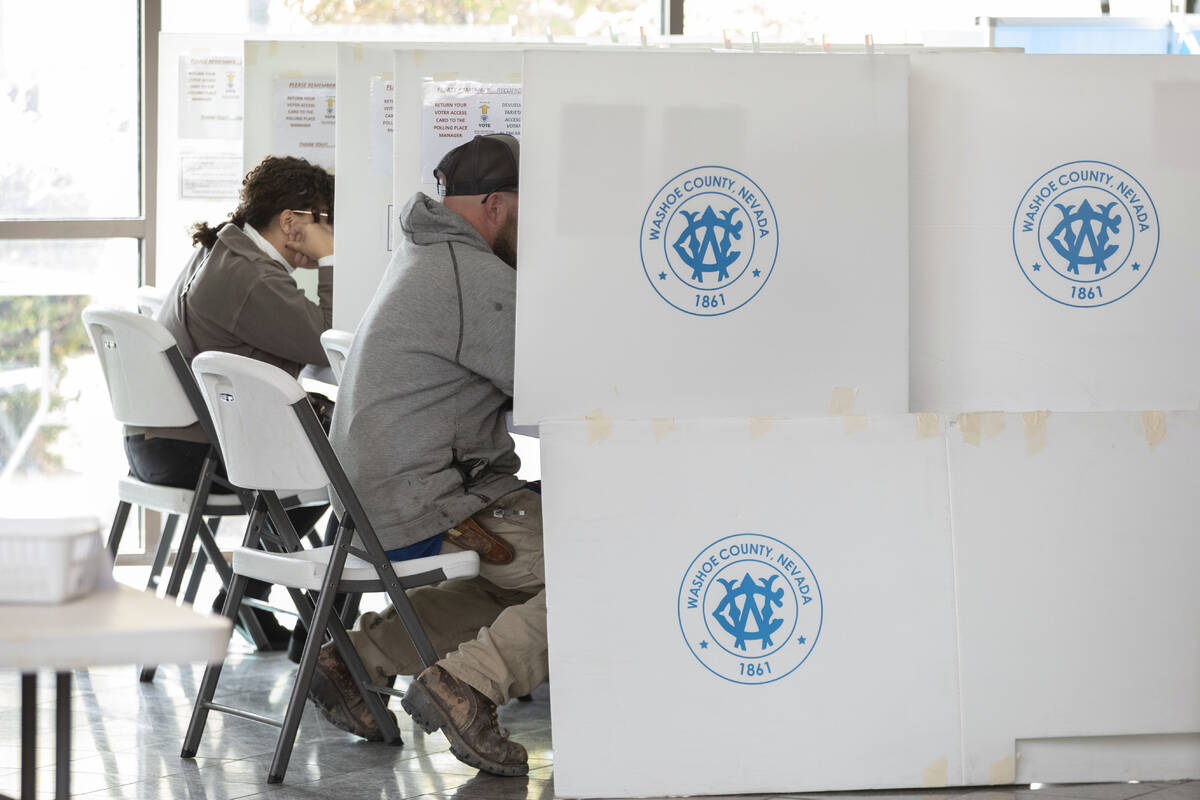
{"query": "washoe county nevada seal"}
pixel 1086 234
pixel 750 608
pixel 709 241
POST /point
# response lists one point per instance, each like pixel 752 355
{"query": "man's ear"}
pixel 495 209
pixel 286 221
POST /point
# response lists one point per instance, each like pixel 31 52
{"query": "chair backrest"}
pixel 135 354
pixel 149 299
pixel 251 403
pixel 337 349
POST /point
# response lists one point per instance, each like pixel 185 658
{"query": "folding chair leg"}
pixel 163 552
pixel 193 585
pixel 195 519
pixel 376 704
pixel 212 674
pixel 118 528
pixel 251 627
pixel 350 609
pixel 308 661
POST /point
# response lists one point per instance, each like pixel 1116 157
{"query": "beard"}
pixel 505 247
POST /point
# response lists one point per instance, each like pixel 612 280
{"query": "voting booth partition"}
pixel 686 238
pixel 363 200
pixel 1053 236
pixel 290 97
pixel 200 95
pixel 872 602
pixel 781 579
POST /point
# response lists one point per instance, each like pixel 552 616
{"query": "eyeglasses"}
pixel 318 216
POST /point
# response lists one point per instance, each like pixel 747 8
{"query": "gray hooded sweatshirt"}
pixel 419 424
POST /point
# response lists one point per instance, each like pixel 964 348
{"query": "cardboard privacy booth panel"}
pixel 711 235
pixel 1053 261
pixel 1076 546
pixel 290 110
pixel 759 604
pixel 363 205
pixel 200 94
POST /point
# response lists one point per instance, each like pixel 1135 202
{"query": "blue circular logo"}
pixel 709 241
pixel 750 608
pixel 1086 234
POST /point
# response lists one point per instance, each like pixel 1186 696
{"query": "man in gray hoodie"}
pixel 420 429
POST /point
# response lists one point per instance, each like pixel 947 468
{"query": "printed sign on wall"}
pixel 304 119
pixel 210 97
pixel 453 112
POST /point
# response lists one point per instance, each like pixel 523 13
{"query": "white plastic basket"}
pixel 48 560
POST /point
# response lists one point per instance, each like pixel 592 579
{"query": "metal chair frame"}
pixel 316 608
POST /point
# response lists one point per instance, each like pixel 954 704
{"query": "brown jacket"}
pixel 237 299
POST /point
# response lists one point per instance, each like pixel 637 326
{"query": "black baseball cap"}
pixel 483 165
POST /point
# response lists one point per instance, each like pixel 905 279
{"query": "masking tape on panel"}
pixel 993 423
pixel 251 54
pixel 418 58
pixel 514 77
pixel 445 76
pixel 970 426
pixel 842 400
pixel 760 425
pixel 294 73
pixel 935 774
pixel 1155 425
pixel 928 428
pixel 387 76
pixel 662 427
pixel 357 48
pixel 273 49
pixel 1036 438
pixel 1003 771
pixel 599 427
pixel 852 423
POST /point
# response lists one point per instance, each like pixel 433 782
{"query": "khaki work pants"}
pixel 491 629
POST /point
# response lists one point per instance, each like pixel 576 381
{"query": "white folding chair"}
pixel 259 409
pixel 149 299
pixel 337 349
pixel 150 385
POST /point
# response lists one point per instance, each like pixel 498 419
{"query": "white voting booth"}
pixel 625 312
pixel 291 109
pixel 870 599
pixel 363 201
pixel 200 101
pixel 380 169
pixel 1004 144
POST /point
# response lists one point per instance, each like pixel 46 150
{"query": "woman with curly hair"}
pixel 237 295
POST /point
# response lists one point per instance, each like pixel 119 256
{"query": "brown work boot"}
pixel 335 694
pixel 436 699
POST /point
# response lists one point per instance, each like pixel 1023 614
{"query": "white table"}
pixel 120 626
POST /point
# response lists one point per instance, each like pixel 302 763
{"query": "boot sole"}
pixel 429 714
pixel 335 712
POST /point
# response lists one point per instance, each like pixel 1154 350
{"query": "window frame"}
pixel 141 227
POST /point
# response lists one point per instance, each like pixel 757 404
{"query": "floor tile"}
pixel 1181 790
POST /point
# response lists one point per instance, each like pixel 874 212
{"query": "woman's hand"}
pixel 310 241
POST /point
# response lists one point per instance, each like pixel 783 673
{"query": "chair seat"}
pixel 306 569
pixel 173 500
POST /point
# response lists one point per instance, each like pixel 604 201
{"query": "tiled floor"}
pixel 126 738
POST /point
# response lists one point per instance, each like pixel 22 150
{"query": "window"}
pixel 71 221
